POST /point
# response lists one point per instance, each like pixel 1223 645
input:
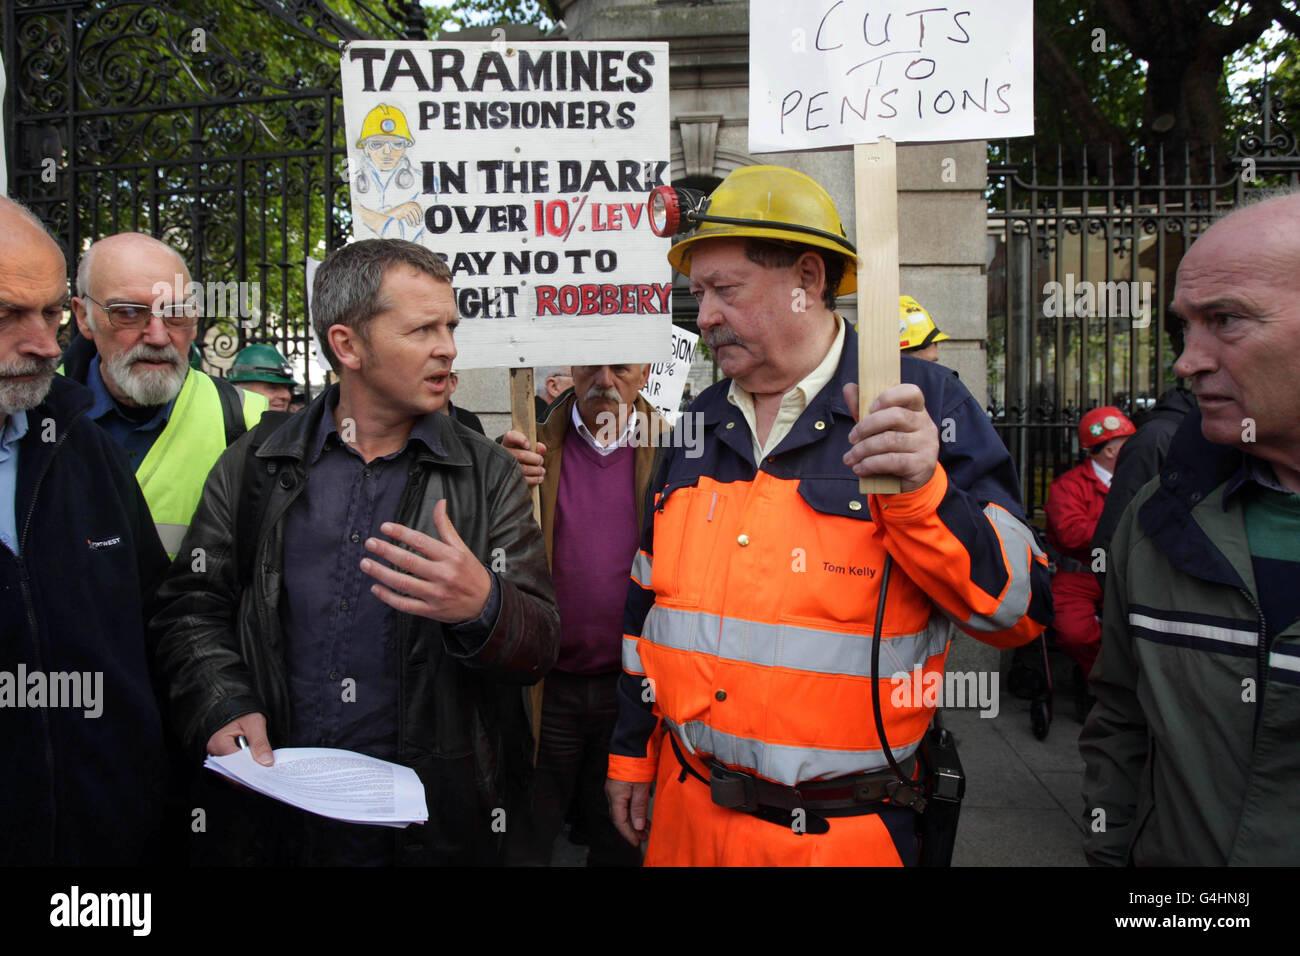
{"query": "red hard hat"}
pixel 1103 424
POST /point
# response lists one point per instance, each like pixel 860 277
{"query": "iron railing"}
pixel 1081 274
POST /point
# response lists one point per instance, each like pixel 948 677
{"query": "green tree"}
pixel 1146 73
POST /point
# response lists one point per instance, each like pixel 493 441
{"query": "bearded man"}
pixel 137 320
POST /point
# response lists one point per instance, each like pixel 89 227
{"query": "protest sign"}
pixel 668 375
pixel 842 72
pixel 527 168
pixel 868 73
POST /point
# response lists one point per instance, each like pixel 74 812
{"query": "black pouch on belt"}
pixel 945 786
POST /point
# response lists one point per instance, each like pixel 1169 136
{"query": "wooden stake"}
pixel 523 418
pixel 876 180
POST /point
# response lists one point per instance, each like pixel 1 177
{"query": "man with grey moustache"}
pixel 593 460
pixel 172 421
pixel 81 740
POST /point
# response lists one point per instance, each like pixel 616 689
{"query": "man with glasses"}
pixel 172 421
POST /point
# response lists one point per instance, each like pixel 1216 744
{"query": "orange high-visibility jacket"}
pixel 753 598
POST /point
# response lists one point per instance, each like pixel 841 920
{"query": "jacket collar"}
pixel 76 360
pixel 1193 468
pixel 293 438
pixel 66 402
pixel 727 421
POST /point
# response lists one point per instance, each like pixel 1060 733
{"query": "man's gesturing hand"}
pixel 897 437
pixel 530 459
pixel 252 727
pixel 628 803
pixel 441 580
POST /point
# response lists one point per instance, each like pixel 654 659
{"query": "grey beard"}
pixel 146 386
pixel 22 396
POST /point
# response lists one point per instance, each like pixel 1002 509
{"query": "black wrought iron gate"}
pixel 215 127
pixel 1081 274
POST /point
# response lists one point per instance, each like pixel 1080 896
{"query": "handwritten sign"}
pixel 840 72
pixel 668 376
pixel 527 169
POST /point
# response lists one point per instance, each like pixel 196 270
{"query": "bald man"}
pixel 137 322
pixel 81 740
pixel 1191 748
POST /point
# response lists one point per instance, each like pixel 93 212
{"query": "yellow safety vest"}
pixel 173 472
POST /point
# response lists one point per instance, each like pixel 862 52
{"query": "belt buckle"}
pixel 732 789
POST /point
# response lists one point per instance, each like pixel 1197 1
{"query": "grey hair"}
pixel 23 210
pixel 1256 195
pixel 542 372
pixel 84 264
pixel 346 288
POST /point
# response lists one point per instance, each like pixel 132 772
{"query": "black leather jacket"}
pixel 461 723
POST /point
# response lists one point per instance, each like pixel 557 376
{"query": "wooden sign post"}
pixel 523 418
pixel 876 185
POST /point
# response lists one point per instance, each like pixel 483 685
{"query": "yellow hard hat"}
pixel 916 329
pixel 775 203
pixel 385 121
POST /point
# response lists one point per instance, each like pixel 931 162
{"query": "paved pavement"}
pixel 1023 805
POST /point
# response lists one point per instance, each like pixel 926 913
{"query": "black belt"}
pixel 1072 565
pixel 850 796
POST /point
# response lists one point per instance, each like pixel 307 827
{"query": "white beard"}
pixel 146 386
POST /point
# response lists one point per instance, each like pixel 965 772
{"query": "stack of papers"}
pixel 338 784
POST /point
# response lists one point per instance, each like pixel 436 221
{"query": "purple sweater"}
pixel 595 540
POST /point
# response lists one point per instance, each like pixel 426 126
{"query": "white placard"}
pixel 668 376
pixel 838 72
pixel 528 168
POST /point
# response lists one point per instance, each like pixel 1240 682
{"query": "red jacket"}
pixel 1074 504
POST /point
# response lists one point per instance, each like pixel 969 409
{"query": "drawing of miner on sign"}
pixel 386 186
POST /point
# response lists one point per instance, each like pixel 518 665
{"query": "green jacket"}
pixel 1191 749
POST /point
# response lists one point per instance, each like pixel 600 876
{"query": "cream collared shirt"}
pixel 793 402
pixel 590 439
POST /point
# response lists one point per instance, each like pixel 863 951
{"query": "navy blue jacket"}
pixel 76 789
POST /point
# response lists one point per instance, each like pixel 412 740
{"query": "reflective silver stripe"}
pixel 1189 629
pixel 641 568
pixel 1018 544
pixel 784 764
pixel 171 535
pixel 631 659
pixel 1285 662
pixel 786 645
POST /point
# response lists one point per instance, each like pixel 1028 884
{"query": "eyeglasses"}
pixel 133 317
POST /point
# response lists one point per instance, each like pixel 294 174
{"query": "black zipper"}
pixel 30 606
pixel 1261 665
